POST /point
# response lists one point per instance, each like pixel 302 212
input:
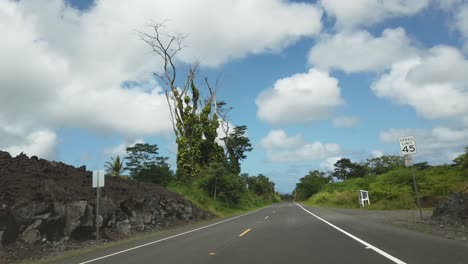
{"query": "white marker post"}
pixel 408 147
pixel 98 181
pixel 363 198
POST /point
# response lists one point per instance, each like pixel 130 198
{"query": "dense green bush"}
pixel 222 192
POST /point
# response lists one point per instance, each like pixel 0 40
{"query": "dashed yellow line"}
pixel 245 232
pixel 266 217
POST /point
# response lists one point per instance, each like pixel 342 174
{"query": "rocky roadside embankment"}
pixel 45 205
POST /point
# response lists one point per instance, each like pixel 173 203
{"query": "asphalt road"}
pixel 286 233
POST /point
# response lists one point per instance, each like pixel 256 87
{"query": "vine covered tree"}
pixel 194 117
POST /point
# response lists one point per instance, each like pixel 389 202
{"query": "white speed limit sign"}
pixel 407 145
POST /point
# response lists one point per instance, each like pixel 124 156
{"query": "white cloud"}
pixel 350 14
pixel 121 149
pixel 329 163
pixel 435 85
pixel 346 121
pixel 62 67
pixel 300 98
pixel 377 153
pixel 461 23
pixel 448 5
pixel 41 143
pixel 439 144
pixel 280 140
pixel 358 51
pixel 282 148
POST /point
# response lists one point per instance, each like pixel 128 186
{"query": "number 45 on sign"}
pixel 407 145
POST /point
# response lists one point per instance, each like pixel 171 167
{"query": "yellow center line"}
pixel 245 232
pixel 266 217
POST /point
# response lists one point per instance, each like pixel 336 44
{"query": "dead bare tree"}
pixel 194 118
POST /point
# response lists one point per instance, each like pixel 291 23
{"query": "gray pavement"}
pixel 285 233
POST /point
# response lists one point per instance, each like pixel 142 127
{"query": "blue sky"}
pixel 313 81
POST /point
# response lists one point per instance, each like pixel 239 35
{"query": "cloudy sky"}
pixel 313 80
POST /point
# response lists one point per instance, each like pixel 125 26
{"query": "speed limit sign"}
pixel 407 145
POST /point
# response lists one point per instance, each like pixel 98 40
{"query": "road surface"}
pixel 285 233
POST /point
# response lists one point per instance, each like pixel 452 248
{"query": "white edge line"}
pixel 381 252
pixel 170 237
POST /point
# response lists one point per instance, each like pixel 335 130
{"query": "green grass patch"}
pixel 394 189
pixel 247 202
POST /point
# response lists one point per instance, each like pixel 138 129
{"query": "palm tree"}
pixel 115 167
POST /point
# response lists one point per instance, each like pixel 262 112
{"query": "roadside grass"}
pixel 248 200
pixel 394 189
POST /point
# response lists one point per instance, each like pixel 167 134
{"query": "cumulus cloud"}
pixel 280 140
pixel 439 144
pixel 329 163
pixel 350 14
pixel 377 153
pixel 448 5
pixel 62 67
pixel 41 143
pixel 435 84
pixel 461 23
pixel 283 148
pixel 346 121
pixel 359 51
pixel 300 98
pixel 121 149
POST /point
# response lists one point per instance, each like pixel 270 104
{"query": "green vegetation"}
pixel 208 172
pixel 237 144
pixel 115 167
pixel 389 183
pixel 248 200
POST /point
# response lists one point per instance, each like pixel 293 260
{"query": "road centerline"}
pixel 366 244
pixel 170 237
pixel 245 232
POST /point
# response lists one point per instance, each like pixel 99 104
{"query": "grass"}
pixel 247 202
pixel 394 189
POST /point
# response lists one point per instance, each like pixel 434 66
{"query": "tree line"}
pixel 345 169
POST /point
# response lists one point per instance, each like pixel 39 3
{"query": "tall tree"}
pixel 115 166
pixel 142 156
pixel 159 173
pixel 194 118
pixel 237 144
pixel 384 164
pixel 311 184
pixel 345 169
pixel 462 160
pixel 260 184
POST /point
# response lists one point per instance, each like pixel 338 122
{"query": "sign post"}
pixel 408 147
pixel 98 181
